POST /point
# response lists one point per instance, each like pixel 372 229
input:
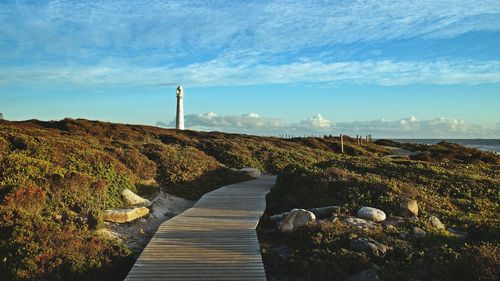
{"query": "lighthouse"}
pixel 179 119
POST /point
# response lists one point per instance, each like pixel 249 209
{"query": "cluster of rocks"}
pixel 138 208
pixel 366 218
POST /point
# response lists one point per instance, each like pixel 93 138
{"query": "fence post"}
pixel 342 143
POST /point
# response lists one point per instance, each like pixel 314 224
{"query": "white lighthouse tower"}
pixel 179 119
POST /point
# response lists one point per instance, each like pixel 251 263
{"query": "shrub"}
pixel 30 199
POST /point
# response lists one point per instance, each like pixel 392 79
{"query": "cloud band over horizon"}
pixel 317 125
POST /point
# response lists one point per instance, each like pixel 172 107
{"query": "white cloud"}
pixel 228 43
pixel 315 123
pixel 383 72
pixel 188 27
pixel 409 127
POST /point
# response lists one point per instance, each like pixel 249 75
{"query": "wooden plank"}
pixel 213 240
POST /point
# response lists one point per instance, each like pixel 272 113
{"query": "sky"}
pixel 407 69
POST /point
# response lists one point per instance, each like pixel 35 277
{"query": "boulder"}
pixel 125 215
pixel 393 221
pixel 294 219
pixel 372 214
pixel 408 208
pixel 278 217
pixel 324 212
pixel 134 199
pixel 253 172
pixel 436 223
pixel 365 275
pixel 417 231
pixel 369 246
pixel 457 233
pixel 361 223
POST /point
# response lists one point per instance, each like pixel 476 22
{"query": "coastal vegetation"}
pixel 58 177
pixel 460 192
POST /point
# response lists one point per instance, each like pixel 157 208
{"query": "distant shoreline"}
pixel 492 145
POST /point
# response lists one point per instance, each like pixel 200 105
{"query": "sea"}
pixel 482 144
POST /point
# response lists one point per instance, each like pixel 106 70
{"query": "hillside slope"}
pixel 57 177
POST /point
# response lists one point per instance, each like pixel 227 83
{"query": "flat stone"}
pixel 361 223
pixel 369 246
pixel 371 213
pixel 125 215
pixel 134 199
pixel 393 221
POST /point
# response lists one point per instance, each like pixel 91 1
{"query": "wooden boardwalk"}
pixel 213 240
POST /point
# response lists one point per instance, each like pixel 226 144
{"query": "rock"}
pixel 408 208
pixel 393 221
pixel 278 217
pixel 324 212
pixel 134 199
pixel 107 234
pixel 418 231
pixel 370 213
pixel 457 233
pixel 369 246
pixel 436 223
pixel 253 172
pixel 125 215
pixel 361 223
pixel 320 213
pixel 283 251
pixel 296 218
pixel 416 153
pixel 365 275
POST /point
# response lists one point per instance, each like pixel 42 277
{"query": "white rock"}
pixel 296 218
pixel 134 199
pixel 253 172
pixel 125 215
pixel 436 222
pixel 370 213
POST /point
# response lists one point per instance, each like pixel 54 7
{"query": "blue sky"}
pixel 387 68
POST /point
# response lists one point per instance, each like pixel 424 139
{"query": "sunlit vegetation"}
pixel 463 192
pixel 56 178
